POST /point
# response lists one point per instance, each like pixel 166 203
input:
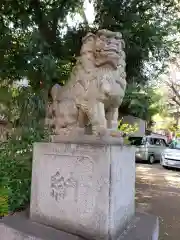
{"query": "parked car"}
pixel 170 157
pixel 148 148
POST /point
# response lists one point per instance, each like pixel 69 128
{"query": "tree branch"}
pixel 83 15
pixel 57 13
pixel 48 30
pixel 175 91
pixel 176 101
pixel 41 22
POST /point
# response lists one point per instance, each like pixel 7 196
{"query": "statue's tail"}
pixel 55 92
pixel 53 108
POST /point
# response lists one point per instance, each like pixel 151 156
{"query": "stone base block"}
pixel 142 227
pixel 84 187
pixel 19 227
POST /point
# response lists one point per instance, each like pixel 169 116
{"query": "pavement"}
pixel 158 193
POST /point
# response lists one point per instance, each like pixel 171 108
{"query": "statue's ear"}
pixel 88 43
pixel 88 35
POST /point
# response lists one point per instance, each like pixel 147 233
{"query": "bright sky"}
pixel 90 15
pixel 178 75
pixel 89 11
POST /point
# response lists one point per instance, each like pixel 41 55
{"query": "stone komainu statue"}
pixel 95 89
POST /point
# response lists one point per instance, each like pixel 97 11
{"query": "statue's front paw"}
pixel 114 133
pixel 99 131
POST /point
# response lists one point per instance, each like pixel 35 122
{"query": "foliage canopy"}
pixel 33 44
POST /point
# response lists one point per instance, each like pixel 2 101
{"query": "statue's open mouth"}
pixel 111 50
pixel 108 49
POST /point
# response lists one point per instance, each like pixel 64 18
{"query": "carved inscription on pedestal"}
pixel 91 148
pixel 76 148
pixel 60 185
pixel 64 184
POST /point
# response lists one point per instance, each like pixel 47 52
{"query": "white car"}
pixel 170 157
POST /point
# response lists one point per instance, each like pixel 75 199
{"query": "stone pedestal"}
pixel 83 186
pixel 19 227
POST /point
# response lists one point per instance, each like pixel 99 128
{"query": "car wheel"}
pixel 151 159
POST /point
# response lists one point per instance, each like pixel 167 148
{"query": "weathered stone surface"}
pixel 19 227
pixel 80 138
pixel 95 89
pixel 85 189
pixel 142 227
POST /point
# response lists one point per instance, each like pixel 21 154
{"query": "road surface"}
pixel 158 192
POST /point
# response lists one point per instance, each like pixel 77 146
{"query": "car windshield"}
pixel 175 144
pixel 136 141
